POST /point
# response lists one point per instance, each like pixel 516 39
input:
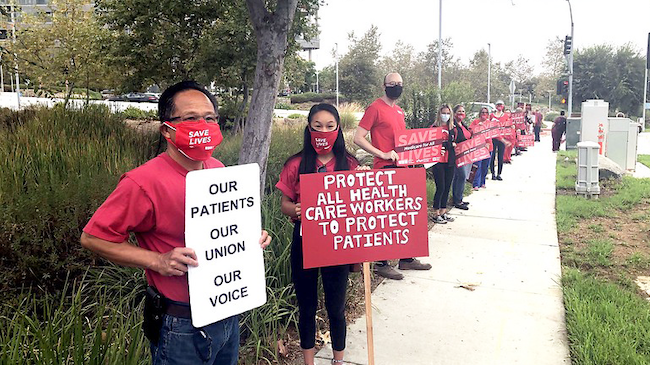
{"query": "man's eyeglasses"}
pixel 211 118
pixel 393 83
pixel 322 169
pixel 485 113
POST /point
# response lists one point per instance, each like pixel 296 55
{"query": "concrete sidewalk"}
pixel 506 245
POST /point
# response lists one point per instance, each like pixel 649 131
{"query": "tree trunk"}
pixel 240 116
pixel 271 30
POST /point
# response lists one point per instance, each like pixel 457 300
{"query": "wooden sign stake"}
pixel 366 281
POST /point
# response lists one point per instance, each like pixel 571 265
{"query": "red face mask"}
pixel 196 139
pixel 460 117
pixel 323 142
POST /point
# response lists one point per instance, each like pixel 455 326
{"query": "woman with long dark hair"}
pixel 481 172
pixel 323 150
pixel 443 172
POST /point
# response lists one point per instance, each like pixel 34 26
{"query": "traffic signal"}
pixel 568 40
pixel 563 87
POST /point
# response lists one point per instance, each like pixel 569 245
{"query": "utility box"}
pixel 572 133
pixel 594 123
pixel 622 141
pixel 587 180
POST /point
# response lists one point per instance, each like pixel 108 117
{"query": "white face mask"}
pixel 445 117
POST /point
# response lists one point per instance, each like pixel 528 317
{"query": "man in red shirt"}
pixel 149 201
pixel 383 118
pixel 537 127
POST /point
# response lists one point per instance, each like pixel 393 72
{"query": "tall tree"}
pixel 61 48
pixel 272 22
pixel 359 77
pixel 614 75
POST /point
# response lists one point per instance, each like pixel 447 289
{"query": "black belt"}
pixel 176 309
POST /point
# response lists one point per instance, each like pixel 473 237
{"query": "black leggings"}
pixel 499 149
pixel 335 282
pixel 443 174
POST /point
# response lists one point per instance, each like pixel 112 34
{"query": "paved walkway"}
pixel 506 245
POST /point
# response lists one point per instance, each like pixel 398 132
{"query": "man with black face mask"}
pixel 383 118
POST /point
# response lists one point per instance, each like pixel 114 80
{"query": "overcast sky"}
pixel 523 28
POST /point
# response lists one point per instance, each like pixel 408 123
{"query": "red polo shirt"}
pixel 149 201
pixel 383 121
pixel 289 183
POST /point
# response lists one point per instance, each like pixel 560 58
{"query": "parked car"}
pixel 472 109
pixel 136 97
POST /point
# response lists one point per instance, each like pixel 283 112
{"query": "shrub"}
pixel 313 97
pixel 58 166
pixel 550 116
pixel 135 113
pixel 283 106
pixel 295 116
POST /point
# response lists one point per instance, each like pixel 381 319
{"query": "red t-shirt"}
pixel 383 121
pixel 150 202
pixel 476 122
pixel 289 183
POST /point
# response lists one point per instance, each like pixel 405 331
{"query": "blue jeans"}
pixel 481 173
pixel 182 343
pixel 458 185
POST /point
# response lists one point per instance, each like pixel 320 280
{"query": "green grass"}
pixel 644 159
pixel 606 323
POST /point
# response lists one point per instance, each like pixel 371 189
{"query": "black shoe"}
pixel 464 203
pixel 499 178
pixel 494 177
pixel 461 206
pixel 508 162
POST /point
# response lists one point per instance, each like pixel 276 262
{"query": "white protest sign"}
pixel 223 225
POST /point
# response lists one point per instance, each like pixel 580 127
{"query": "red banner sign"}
pixel 363 215
pixel 505 128
pixel 525 140
pixel 488 130
pixel 471 150
pixel 519 120
pixel 420 146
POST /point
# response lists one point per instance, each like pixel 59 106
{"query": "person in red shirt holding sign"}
pixel 382 119
pixel 481 172
pixel 323 151
pixel 149 201
pixel 502 146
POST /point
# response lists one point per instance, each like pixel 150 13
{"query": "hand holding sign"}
pixel 175 262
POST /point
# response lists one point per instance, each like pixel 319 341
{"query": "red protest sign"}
pixel 505 128
pixel 488 129
pixel 420 146
pixel 363 215
pixel 519 120
pixel 525 140
pixel 471 150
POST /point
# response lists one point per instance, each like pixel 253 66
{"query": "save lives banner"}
pixel 223 225
pixel 489 129
pixel 525 140
pixel 471 150
pixel 363 215
pixel 519 120
pixel 420 146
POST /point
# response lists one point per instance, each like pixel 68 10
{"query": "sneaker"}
pixel 413 265
pixel 461 206
pixel 388 272
pixel 483 186
pixel 494 177
pixel 499 177
pixel 439 220
pixel 447 217
pixel 475 188
pixel 464 203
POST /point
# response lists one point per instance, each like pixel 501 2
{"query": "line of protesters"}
pixel 149 203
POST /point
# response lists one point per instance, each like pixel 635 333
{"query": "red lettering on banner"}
pixel 525 140
pixel 371 215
